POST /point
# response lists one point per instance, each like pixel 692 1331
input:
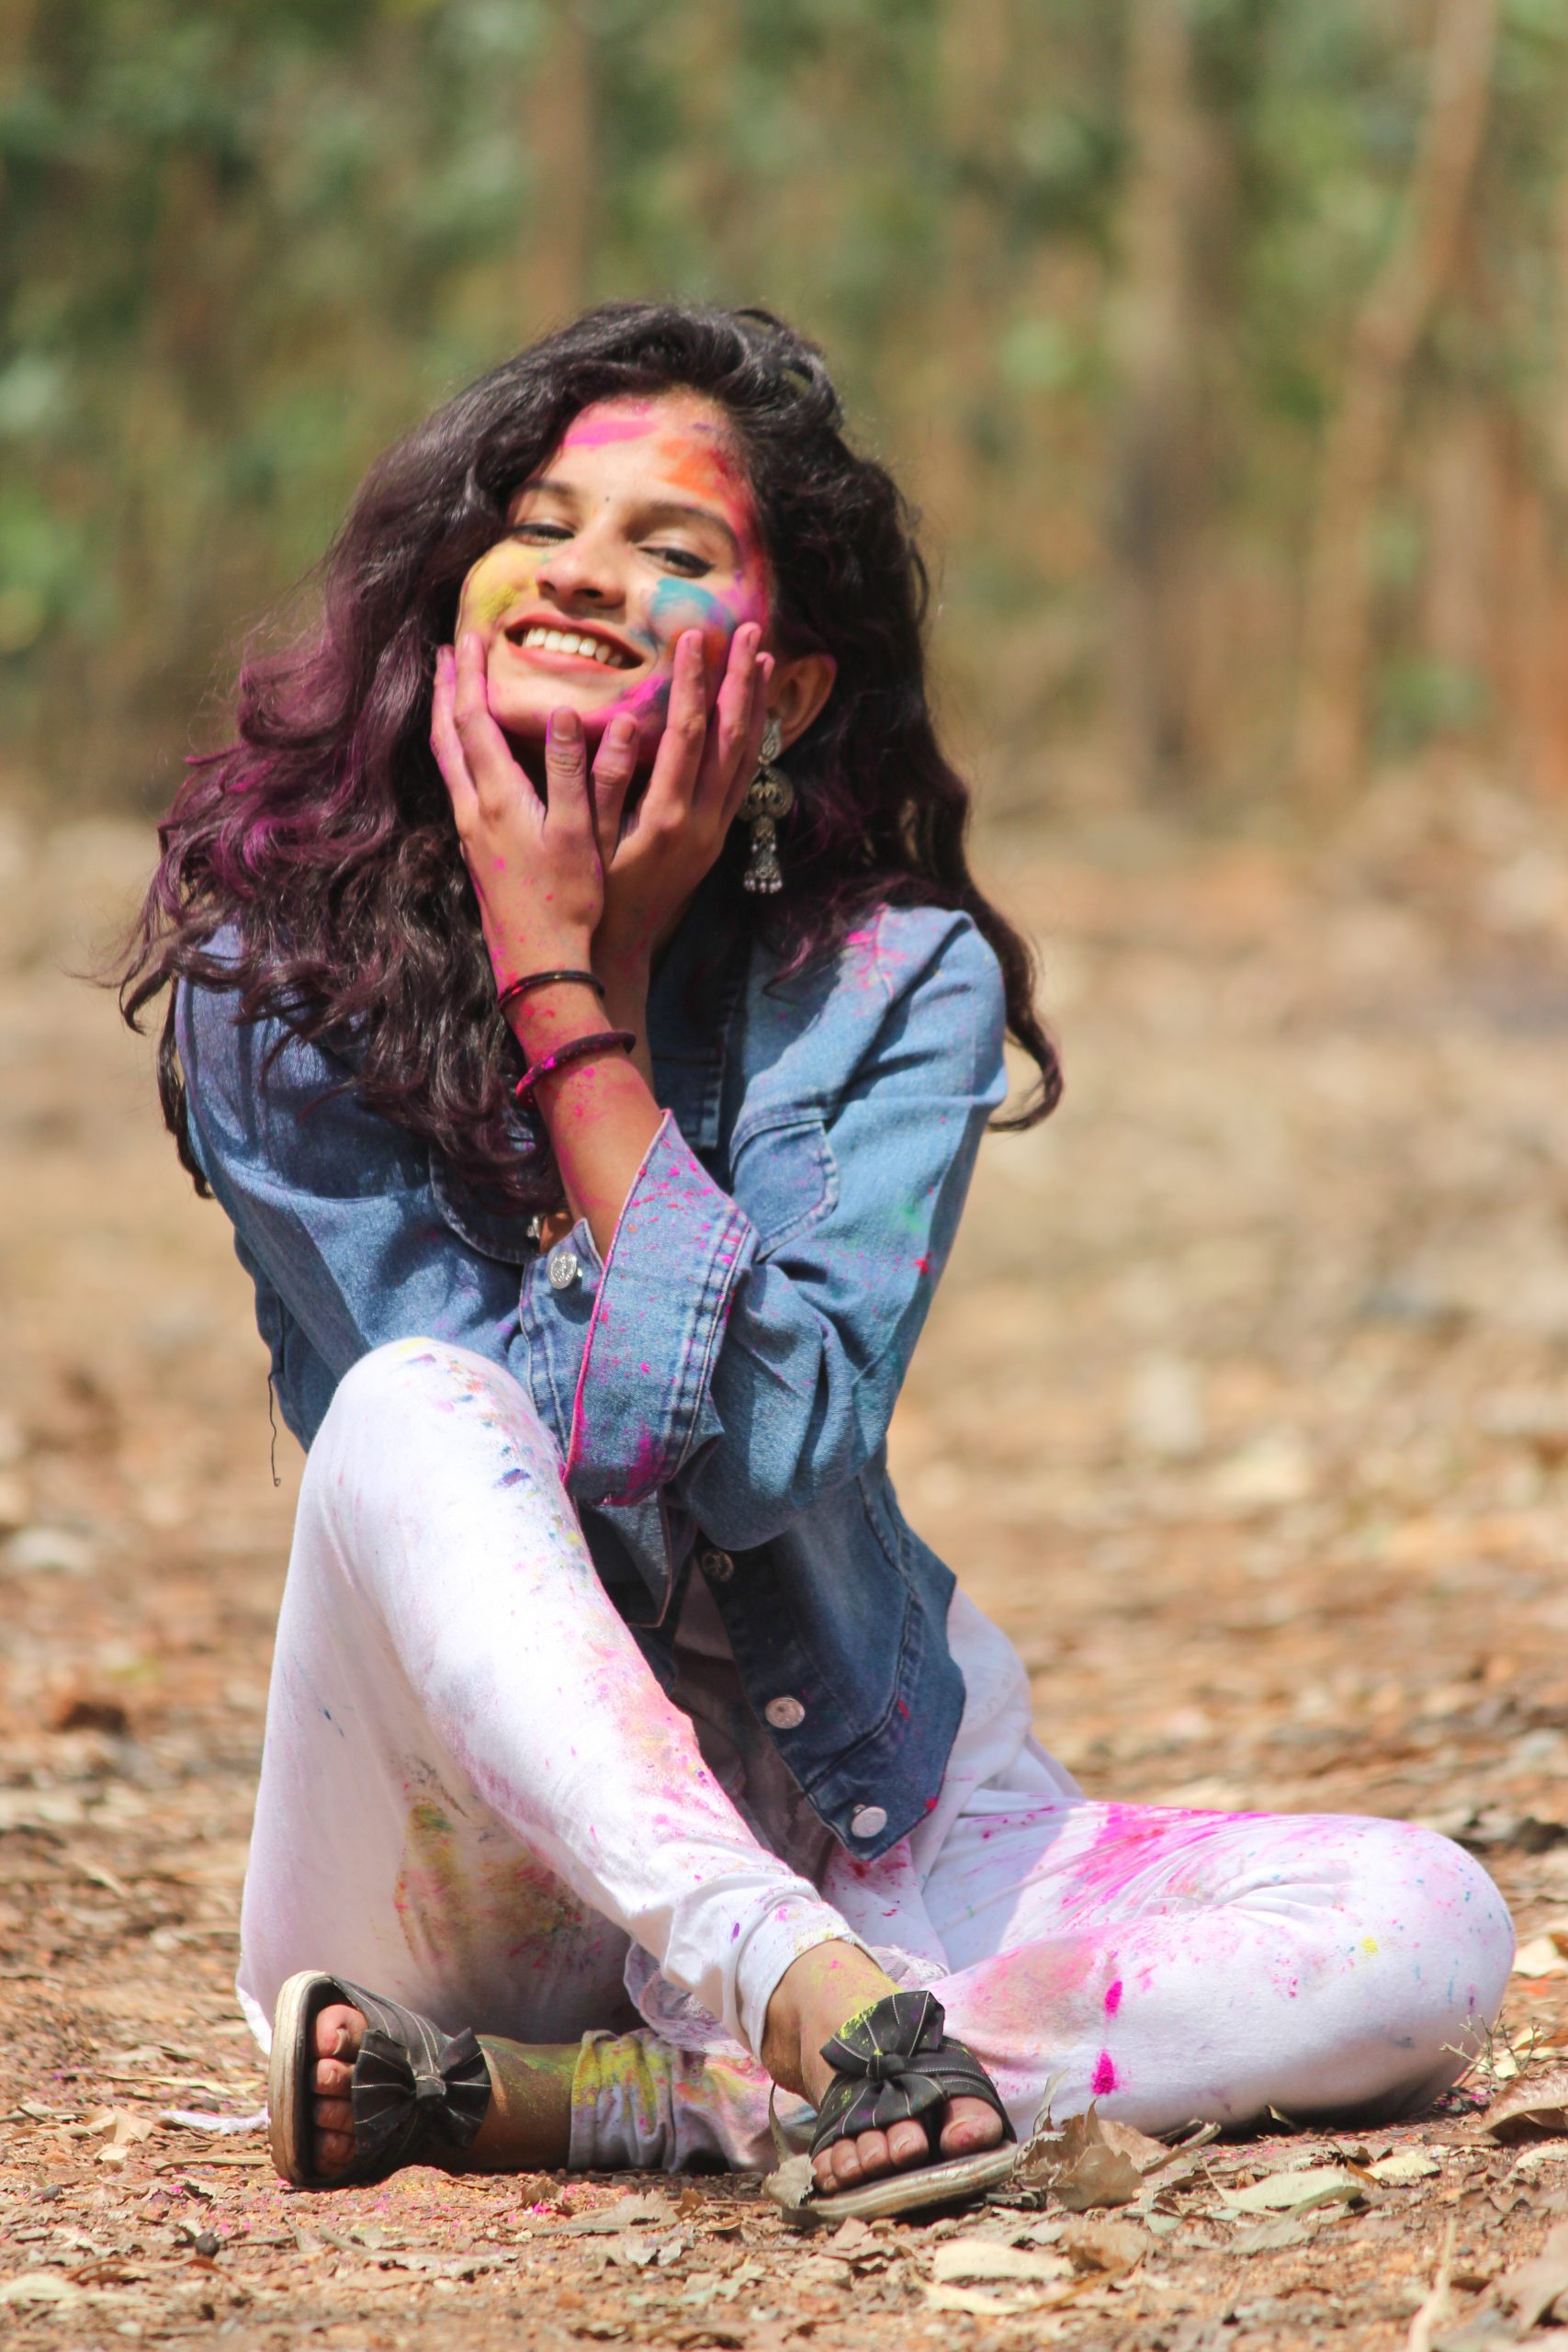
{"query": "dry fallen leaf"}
pixel 40 2286
pixel 1541 1956
pixel 1136 2146
pixel 1405 2164
pixel 1113 2247
pixel 1532 2290
pixel 1296 2192
pixel 852 2239
pixel 978 2305
pixel 1093 2172
pixel 1537 2110
pixel 626 2213
pixel 990 2258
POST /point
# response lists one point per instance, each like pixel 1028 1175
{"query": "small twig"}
pixel 1200 2139
pixel 1436 2305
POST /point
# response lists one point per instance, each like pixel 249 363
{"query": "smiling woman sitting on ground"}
pixel 582 1007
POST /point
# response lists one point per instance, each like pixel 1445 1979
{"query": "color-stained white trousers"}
pixel 475 1797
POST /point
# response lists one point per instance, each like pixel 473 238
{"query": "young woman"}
pixel 583 1010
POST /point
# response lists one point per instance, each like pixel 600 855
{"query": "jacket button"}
pixel 868 1821
pixel 718 1567
pixel 563 1268
pixel 784 1714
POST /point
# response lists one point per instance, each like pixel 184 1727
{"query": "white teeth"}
pixel 563 640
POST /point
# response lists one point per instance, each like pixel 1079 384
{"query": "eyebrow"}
pixel 661 511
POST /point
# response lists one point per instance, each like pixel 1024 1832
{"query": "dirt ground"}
pixel 1244 1408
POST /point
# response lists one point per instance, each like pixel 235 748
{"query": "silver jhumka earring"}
pixel 768 796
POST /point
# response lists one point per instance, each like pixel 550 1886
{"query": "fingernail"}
pixel 565 727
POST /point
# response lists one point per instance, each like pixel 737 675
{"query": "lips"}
pixel 573 642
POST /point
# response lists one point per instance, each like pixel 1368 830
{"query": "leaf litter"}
pixel 1296 1543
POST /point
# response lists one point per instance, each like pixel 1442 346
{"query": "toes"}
pixel 908 2144
pixel 337 2033
pixel 338 2030
pixel 870 2154
pixel 971 2125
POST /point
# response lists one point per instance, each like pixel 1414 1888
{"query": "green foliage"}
pixel 246 246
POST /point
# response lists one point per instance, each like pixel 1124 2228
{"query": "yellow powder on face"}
pixel 502 575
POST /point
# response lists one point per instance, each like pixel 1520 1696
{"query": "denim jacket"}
pixel 720 1384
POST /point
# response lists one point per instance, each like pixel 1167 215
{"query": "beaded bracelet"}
pixel 576 1049
pixel 531 980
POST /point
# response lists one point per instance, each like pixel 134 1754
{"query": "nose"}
pixel 584 570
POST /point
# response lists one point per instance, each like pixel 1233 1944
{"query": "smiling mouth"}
pixel 536 638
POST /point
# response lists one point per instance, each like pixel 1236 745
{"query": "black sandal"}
pixel 896 2065
pixel 418 2094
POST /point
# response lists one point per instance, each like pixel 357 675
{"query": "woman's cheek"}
pixel 493 586
pixel 677 606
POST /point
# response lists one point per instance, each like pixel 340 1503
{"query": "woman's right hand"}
pixel 534 862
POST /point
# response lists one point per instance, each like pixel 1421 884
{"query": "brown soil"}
pixel 1244 1407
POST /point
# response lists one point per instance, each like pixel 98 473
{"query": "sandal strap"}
pixel 414 2088
pixel 893 2066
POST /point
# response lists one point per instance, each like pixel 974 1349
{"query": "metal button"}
pixel 868 1821
pixel 718 1567
pixel 564 1267
pixel 784 1714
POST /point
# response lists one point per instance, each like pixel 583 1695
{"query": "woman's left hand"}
pixel 655 857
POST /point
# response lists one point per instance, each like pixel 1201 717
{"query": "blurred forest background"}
pixel 1225 343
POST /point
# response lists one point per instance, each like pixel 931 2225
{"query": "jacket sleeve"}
pixel 746 1351
pixel 333 1207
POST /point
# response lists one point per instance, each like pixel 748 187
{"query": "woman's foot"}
pixel 819 1993
pixel 339 2031
pixel 527 2126
pixel 823 1989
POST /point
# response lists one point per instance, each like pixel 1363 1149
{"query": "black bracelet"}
pixel 531 980
pixel 576 1049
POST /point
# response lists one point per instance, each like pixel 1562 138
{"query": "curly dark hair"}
pixel 324 832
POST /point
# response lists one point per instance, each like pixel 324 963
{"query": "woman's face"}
pixel 637 527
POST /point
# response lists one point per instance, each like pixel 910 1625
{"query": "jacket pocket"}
pixel 787 1179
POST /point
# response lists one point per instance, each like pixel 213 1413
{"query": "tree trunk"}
pixel 1162 482
pixel 16 21
pixel 723 212
pixel 559 133
pixel 1337 620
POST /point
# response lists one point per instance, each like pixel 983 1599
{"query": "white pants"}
pixel 475 1797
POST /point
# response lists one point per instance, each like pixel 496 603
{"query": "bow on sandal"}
pixel 418 2094
pixel 896 2065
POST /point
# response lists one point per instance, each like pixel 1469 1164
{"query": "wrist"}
pixel 545 1016
pixel 626 974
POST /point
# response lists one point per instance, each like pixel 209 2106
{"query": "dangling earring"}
pixel 768 796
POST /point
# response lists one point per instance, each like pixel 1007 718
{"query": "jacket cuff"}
pixel 655 1326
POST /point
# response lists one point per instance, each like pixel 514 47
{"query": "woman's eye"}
pixel 681 560
pixel 539 532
